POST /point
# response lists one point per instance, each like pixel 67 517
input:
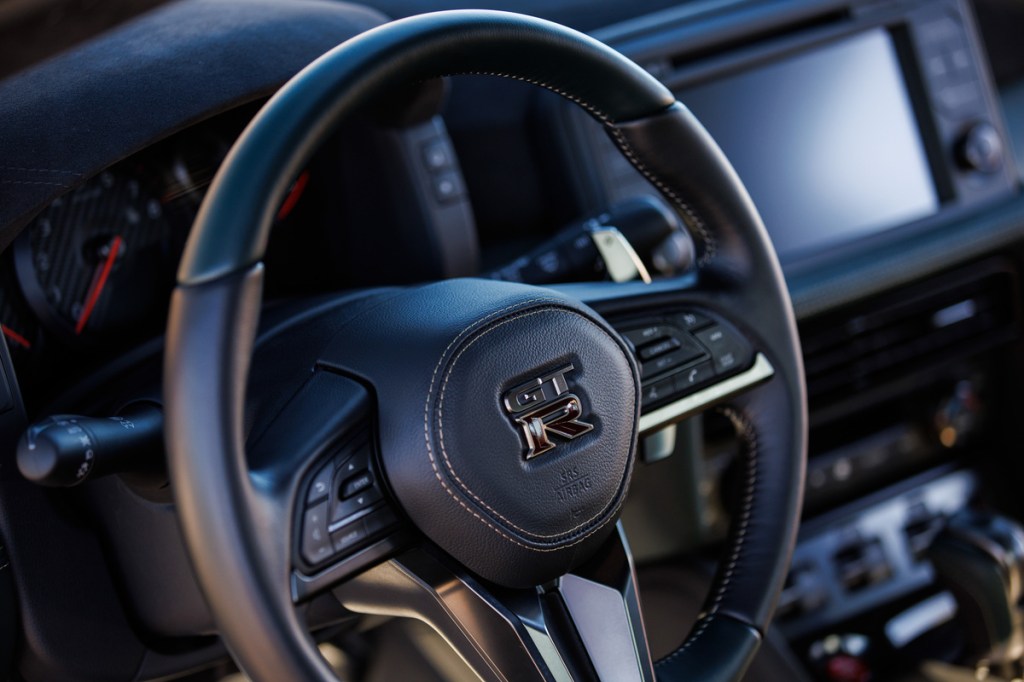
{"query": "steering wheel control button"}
pixel 320 487
pixel 691 321
pixel 658 348
pixel 658 391
pixel 684 355
pixel 356 484
pixel 662 348
pixel 355 532
pixel 348 536
pixel 352 463
pixel 663 363
pixel 694 376
pixel 345 509
pixel 316 545
pixel 728 350
pixel 379 520
pixel 644 335
pixel 344 490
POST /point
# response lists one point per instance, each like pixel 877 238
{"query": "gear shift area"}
pixel 980 558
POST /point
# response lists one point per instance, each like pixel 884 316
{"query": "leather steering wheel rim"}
pixel 216 304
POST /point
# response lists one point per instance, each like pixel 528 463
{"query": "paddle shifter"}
pixel 633 239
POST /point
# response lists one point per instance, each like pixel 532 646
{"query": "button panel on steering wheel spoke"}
pixel 681 352
pixel 689 361
pixel 344 507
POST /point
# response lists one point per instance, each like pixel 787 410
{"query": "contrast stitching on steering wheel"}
pixel 749 435
pixel 433 461
pixel 701 629
pixel 747 432
pixel 693 220
pixel 597 113
pixel 444 452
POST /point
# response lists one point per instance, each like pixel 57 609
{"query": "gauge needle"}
pixel 15 337
pixel 98 282
pixel 293 195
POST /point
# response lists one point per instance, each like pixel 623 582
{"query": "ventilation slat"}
pixel 909 330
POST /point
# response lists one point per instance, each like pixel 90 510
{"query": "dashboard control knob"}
pixel 980 149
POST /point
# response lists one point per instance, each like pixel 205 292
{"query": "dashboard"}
pixel 882 141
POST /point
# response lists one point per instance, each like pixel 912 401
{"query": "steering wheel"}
pixel 459 452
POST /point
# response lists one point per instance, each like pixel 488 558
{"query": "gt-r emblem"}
pixel 544 406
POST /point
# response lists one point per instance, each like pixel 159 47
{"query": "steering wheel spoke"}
pixel 692 353
pixel 315 463
pixel 583 625
pixel 345 521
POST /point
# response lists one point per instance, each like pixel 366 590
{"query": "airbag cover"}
pixel 508 424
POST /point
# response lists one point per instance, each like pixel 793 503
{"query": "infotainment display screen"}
pixel 825 141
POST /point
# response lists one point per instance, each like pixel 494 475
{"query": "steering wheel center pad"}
pixel 507 421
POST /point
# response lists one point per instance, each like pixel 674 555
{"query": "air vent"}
pixel 956 315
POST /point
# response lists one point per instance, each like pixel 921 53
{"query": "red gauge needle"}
pixel 98 282
pixel 15 337
pixel 293 196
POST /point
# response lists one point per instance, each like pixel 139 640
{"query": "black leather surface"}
pixel 740 275
pixel 674 591
pixel 231 528
pixel 281 138
pixel 83 110
pixel 719 650
pixel 440 358
pixel 701 183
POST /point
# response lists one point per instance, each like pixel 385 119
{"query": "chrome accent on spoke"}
pixel 584 625
pixel 690 405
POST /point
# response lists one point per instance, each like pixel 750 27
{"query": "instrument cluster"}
pixel 91 275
